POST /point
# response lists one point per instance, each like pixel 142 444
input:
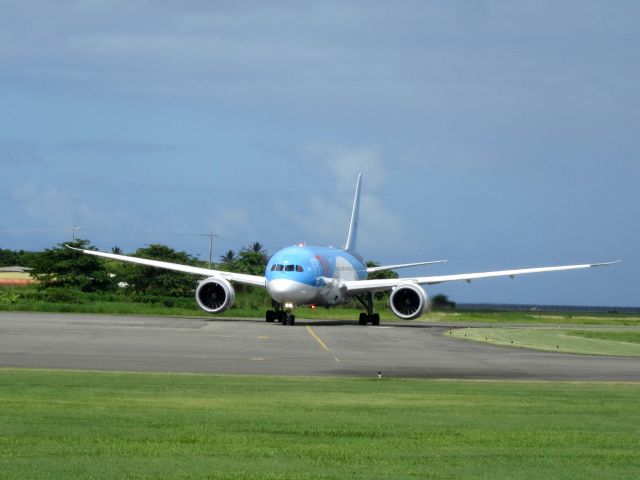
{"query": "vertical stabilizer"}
pixel 352 238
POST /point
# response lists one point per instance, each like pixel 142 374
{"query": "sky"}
pixel 494 134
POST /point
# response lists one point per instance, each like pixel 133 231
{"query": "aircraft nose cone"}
pixel 280 290
pixel 283 290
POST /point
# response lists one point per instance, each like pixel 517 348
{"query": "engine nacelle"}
pixel 408 301
pixel 215 295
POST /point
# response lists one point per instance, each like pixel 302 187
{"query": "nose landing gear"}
pixel 280 315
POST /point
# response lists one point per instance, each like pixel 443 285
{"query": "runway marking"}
pixel 318 339
pixel 257 359
pixel 263 337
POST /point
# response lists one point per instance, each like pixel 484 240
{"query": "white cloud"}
pixel 344 164
pixel 51 206
pixel 319 220
pixel 324 218
pixel 48 207
pixel 231 222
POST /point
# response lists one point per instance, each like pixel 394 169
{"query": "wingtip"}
pixel 604 264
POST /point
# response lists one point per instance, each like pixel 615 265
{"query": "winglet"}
pixel 352 237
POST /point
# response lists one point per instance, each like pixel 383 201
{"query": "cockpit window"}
pixel 278 267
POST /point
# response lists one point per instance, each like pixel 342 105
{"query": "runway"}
pixel 313 348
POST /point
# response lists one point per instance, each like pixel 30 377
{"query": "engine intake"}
pixel 408 301
pixel 215 295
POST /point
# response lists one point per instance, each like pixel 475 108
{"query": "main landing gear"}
pixel 279 315
pixel 368 316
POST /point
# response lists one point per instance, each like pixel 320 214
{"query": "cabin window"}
pixel 299 268
pixel 289 268
pixel 279 268
pixel 273 267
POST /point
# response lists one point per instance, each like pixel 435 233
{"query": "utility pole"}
pixel 74 229
pixel 210 235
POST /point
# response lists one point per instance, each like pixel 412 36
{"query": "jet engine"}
pixel 408 301
pixel 215 295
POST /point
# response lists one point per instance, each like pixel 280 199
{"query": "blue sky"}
pixel 493 134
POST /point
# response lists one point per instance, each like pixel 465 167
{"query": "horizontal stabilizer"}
pixel 384 268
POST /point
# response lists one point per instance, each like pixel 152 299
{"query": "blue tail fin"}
pixel 352 238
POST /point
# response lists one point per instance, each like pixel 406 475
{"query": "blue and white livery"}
pixel 324 276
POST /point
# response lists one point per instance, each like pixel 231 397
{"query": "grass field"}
pixel 253 306
pixel 626 336
pixel 538 317
pixel 59 424
pixel 621 342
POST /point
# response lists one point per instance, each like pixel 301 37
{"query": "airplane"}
pixel 325 276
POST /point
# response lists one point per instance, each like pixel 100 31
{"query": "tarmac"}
pixel 310 348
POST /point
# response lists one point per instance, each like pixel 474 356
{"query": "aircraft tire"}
pixel 280 316
pixel 375 319
pixel 363 319
pixel 292 320
pixel 270 316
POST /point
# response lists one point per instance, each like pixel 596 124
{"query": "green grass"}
pixel 616 336
pixel 550 318
pixel 588 342
pixel 60 424
pixel 254 303
pixel 251 304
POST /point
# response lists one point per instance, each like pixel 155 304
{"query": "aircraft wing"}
pixel 361 286
pixel 383 268
pixel 205 272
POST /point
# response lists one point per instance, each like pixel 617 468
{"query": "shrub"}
pixel 61 295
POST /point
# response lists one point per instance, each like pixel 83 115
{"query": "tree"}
pixel 116 249
pixel 381 274
pixel 378 276
pixel 228 258
pixel 63 267
pixel 257 247
pixel 251 262
pixel 442 302
pixel 158 281
pixel 10 258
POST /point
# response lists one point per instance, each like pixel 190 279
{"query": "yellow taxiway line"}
pixel 320 342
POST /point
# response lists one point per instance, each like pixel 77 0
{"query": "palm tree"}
pixel 257 247
pixel 116 249
pixel 228 257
